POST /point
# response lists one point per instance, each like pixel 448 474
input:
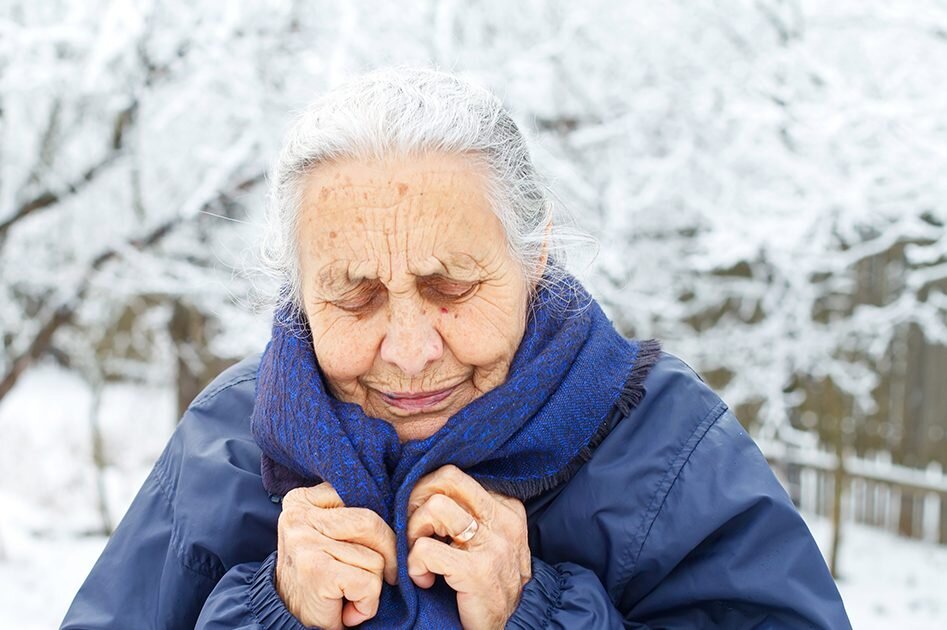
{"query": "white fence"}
pixel 908 501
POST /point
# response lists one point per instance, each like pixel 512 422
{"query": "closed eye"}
pixel 443 289
pixel 365 298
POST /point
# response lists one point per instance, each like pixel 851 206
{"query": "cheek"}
pixel 475 339
pixel 345 349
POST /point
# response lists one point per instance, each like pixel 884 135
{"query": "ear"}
pixel 543 259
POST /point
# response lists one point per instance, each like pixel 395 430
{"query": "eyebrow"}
pixel 333 277
pixel 459 266
pixel 454 267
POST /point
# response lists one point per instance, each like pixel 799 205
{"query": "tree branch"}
pixel 47 198
pixel 64 313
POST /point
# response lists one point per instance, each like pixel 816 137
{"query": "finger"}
pixel 355 555
pixel 314 612
pixel 320 496
pixel 362 526
pixel 364 593
pixel 458 485
pixel 360 587
pixel 430 557
pixel 439 515
pixel 352 616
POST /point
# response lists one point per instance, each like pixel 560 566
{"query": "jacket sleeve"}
pixel 140 580
pixel 564 595
pixel 201 514
pixel 245 599
pixel 725 548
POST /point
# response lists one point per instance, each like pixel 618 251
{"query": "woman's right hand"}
pixel 331 559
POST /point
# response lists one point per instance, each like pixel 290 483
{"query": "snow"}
pixel 50 527
pixel 41 573
pixel 48 546
pixel 887 581
pixel 798 142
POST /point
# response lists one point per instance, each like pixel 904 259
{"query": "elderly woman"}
pixel 445 430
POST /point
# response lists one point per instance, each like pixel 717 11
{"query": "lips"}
pixel 417 402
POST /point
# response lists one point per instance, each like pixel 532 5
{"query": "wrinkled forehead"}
pixel 424 216
pixel 380 184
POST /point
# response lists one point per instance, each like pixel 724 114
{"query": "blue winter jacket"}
pixel 675 522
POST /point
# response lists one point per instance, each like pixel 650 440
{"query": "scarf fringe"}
pixel 630 396
pixel 633 391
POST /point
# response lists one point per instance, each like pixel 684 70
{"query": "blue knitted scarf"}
pixel 572 377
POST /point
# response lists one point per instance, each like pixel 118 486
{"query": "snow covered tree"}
pixel 763 177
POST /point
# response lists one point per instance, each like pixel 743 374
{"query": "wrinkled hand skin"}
pixel 489 571
pixel 331 559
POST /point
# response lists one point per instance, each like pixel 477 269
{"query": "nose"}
pixel 411 341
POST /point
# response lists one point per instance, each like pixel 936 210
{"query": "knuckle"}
pixel 451 472
pixel 359 522
pixel 296 495
pixel 309 495
pixel 514 505
pixel 314 495
pixel 320 490
pixel 289 516
pixel 324 587
pixel 438 503
pixel 360 585
pixel 423 546
pixel 374 525
pixel 288 524
pixel 376 564
pixel 371 584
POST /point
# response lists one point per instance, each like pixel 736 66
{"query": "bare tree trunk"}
pixel 99 459
pixel 838 487
pixel 188 332
pixel 197 366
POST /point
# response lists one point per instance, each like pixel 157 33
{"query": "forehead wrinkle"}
pixel 443 252
pixel 349 198
pixel 393 248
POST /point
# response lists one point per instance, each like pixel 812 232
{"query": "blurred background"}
pixel 766 181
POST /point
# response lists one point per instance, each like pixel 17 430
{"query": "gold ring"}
pixel 469 532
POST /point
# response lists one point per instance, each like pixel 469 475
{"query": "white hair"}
pixel 397 112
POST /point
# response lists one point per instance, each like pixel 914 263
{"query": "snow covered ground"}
pixel 886 581
pixel 47 510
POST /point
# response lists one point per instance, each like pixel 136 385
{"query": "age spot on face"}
pixel 400 219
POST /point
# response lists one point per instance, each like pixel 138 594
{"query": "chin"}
pixel 417 428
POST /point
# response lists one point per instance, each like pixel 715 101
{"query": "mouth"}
pixel 419 401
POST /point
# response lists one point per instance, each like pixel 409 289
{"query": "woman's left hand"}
pixel 486 559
